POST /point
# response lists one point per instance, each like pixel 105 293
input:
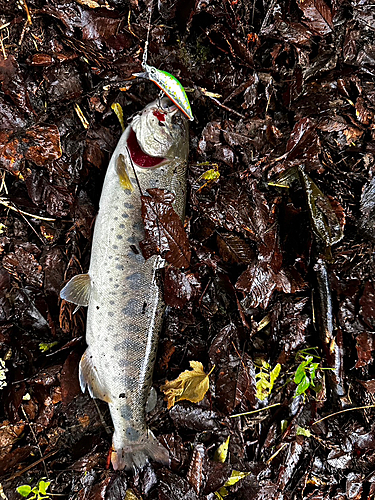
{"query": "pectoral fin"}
pixel 77 290
pixel 88 377
pixel 122 173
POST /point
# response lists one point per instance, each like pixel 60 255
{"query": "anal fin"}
pixel 89 377
pixel 77 290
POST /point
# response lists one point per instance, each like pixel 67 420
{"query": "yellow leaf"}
pixel 116 107
pixel 235 477
pixel 222 452
pixel 210 175
pixel 129 495
pixel 190 384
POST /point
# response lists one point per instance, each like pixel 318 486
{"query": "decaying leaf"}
pixel 222 452
pixel 234 478
pixel 266 379
pixel 324 220
pixel 191 385
pixel 165 233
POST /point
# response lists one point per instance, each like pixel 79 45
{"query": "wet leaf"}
pixel 222 452
pixel 301 431
pixel 234 249
pixel 165 234
pixel 318 16
pixel 190 384
pixel 195 471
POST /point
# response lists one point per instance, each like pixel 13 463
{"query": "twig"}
pixel 29 467
pixel 343 411
pixel 223 105
pixel 35 438
pixel 276 453
pixel 8 204
pixel 255 411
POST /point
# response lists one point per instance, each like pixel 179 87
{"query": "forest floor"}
pixel 279 298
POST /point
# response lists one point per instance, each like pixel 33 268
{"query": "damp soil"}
pixel 280 226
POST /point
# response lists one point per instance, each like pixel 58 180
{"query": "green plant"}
pixel 38 492
pixel 265 379
pixel 307 370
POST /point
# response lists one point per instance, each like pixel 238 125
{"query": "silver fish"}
pixel 124 302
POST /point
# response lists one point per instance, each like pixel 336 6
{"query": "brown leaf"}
pixel 13 84
pixel 165 234
pixel 318 16
pixel 190 384
pixel 234 249
pixel 195 471
pixel 365 344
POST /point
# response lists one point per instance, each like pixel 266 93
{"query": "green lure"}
pixel 170 86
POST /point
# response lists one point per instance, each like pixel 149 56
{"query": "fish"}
pixel 121 288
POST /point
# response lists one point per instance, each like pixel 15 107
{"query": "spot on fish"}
pixel 126 411
pixel 119 236
pixel 115 247
pixel 120 267
pixel 144 307
pixel 110 313
pixel 136 280
pixel 128 205
pixel 132 434
pixel 121 226
pixel 122 395
pixel 115 218
pixel 125 215
pixel 130 383
pixel 111 302
pixel 131 308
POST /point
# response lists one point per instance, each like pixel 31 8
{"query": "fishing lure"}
pixel 170 86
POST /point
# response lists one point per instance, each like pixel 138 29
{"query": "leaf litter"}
pixel 274 257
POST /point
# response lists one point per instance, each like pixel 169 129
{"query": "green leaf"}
pixel 43 486
pixel 44 347
pixel 300 372
pixel 301 431
pixel 24 490
pixel 222 452
pixel 302 386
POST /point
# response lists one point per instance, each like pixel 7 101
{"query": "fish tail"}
pixel 134 455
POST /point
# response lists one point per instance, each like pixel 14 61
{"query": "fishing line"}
pixel 145 52
pixel 135 173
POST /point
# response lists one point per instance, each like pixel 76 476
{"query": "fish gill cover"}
pixel 280 244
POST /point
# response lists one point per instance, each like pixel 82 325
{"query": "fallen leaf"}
pixel 191 385
pixel 222 452
pixel 165 233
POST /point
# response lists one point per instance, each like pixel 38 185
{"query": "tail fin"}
pixel 134 455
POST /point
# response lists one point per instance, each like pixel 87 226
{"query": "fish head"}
pixel 161 130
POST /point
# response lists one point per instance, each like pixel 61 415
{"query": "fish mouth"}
pixel 138 156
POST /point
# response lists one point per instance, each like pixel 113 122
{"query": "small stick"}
pixel 254 411
pixel 343 411
pixel 8 204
